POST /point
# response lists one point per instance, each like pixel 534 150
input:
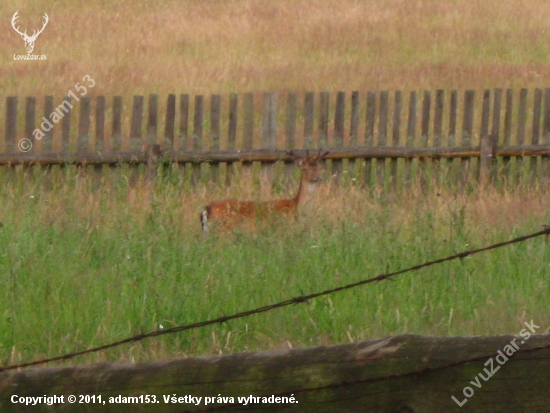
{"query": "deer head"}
pixel 29 40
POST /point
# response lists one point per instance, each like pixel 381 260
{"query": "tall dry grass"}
pixel 207 46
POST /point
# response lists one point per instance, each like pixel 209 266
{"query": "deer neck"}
pixel 305 191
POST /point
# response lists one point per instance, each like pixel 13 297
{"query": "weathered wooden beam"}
pixel 67 158
pixel 406 373
pixel 264 155
pixel 271 155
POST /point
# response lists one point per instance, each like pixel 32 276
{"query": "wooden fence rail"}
pixel 381 135
pixel 405 373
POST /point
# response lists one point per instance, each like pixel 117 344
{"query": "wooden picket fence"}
pixel 372 136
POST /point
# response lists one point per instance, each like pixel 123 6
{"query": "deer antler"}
pixel 13 21
pixel 34 33
pixel 46 20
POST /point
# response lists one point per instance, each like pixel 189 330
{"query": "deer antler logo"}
pixel 29 40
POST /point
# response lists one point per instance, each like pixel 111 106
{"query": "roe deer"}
pixel 230 212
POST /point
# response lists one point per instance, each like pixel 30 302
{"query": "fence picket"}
pixel 152 119
pixel 30 121
pixel 197 135
pixel 84 124
pixel 269 132
pixel 290 132
pixel 395 135
pixel 136 123
pixel 183 143
pixel 338 140
pixel 100 124
pixel 232 134
pixel 215 115
pixel 438 129
pixel 47 141
pixel 309 105
pixel 535 135
pixel 11 124
pixel 369 135
pixel 424 135
pixel 382 135
pixel 170 122
pixel 520 136
pixel 486 148
pixel 323 119
pixel 545 160
pixel 411 135
pixel 66 125
pixel 467 130
pixel 248 126
pixel 507 138
pixel 353 131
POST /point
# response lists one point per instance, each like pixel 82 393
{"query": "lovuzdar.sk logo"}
pixel 29 39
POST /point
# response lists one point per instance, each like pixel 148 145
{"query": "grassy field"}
pixel 85 264
pixel 207 46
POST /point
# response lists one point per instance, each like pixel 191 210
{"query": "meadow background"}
pixel 87 260
pixel 208 46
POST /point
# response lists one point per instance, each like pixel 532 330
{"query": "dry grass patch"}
pixel 252 45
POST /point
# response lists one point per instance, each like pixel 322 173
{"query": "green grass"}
pixel 86 264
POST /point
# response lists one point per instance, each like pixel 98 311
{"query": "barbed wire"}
pixel 297 300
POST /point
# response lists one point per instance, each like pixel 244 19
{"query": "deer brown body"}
pixel 231 212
